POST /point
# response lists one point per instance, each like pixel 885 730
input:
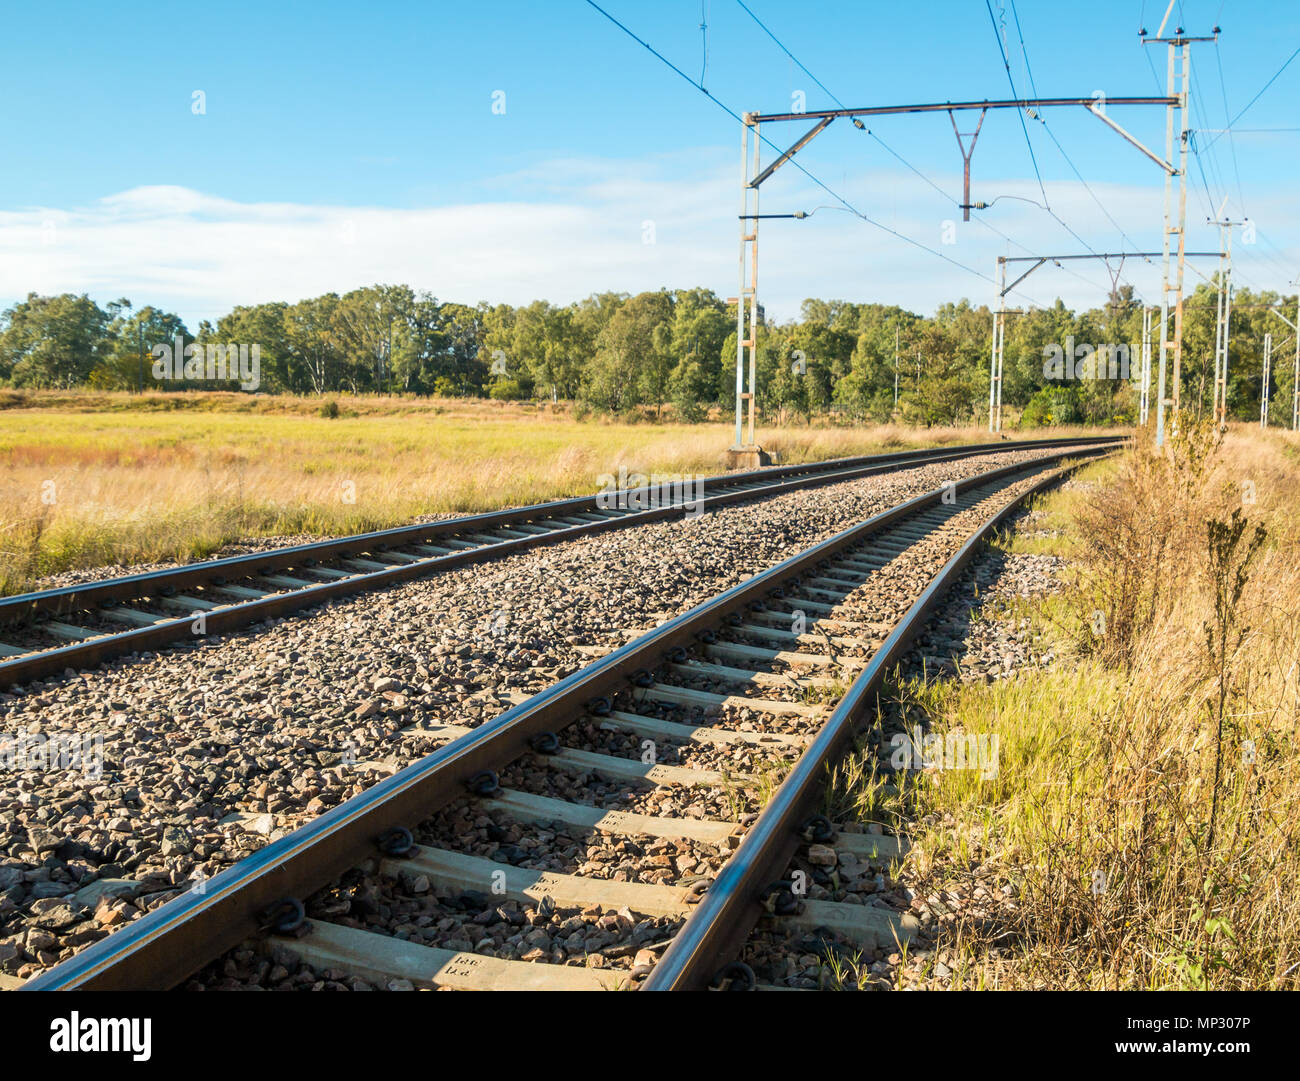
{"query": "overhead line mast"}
pixel 745 450
pixel 1001 311
pixel 1177 84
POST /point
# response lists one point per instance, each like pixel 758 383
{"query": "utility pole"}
pixel 1144 408
pixel 1223 311
pixel 895 368
pixel 1264 380
pixel 1218 334
pixel 999 341
pixel 1177 84
pixel 1295 378
pixel 747 298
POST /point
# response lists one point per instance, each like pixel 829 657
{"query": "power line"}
pixel 1197 107
pixel 1232 142
pixel 889 149
pixel 1247 131
pixel 1052 135
pixel 1023 127
pixel 815 179
pixel 1200 165
pixel 1285 65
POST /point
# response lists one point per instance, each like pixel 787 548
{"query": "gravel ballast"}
pixel 978 634
pixel 212 749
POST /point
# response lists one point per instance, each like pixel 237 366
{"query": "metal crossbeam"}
pixel 752 177
pixel 953 106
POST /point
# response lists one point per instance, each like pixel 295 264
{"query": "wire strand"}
pixel 815 179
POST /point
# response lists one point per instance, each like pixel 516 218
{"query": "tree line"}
pixel 664 353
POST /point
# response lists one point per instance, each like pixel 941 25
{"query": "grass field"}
pixel 100 479
pixel 1143 809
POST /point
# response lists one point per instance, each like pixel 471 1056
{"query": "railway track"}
pixel 43 633
pixel 640 815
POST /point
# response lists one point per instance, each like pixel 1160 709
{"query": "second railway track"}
pixel 46 632
pixel 625 827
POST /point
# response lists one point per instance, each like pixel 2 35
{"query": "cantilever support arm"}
pixel 808 138
pixel 1096 111
pixel 1023 276
pixel 1284 319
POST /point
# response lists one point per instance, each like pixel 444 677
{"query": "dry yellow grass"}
pixel 97 479
pixel 1144 807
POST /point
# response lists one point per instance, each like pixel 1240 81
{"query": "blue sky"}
pixel 344 144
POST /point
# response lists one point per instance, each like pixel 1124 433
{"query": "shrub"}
pixel 507 390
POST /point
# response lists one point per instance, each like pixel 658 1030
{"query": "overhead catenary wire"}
pixel 1015 94
pixel 889 149
pixel 811 176
pixel 844 203
pixel 1069 161
pixel 1259 94
pixel 1034 89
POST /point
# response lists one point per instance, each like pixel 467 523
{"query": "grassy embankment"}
pixel 1144 808
pixel 97 479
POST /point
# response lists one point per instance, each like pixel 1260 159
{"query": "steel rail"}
pixel 228 617
pixel 168 944
pixel 84 595
pixel 720 924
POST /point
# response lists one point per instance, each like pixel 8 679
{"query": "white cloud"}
pixel 582 230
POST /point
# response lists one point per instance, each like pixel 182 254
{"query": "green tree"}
pixel 52 341
pixel 633 361
pixel 127 364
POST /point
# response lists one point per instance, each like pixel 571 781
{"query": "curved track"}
pixel 46 632
pixel 669 747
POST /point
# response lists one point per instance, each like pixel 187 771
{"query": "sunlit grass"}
pixel 1150 842
pixel 97 479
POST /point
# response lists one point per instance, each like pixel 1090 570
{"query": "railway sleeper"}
pixel 285 581
pixel 67 631
pixel 382 958
pixel 724 650
pixel 573 760
pixel 662 692
pixel 527 807
pixel 774 634
pixel 132 617
pixel 617 720
pixel 864 925
pixel 750 676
